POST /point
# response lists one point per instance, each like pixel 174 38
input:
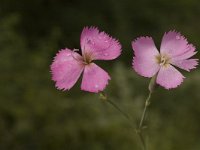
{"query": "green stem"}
pixel 124 114
pixel 119 109
pixel 139 130
pixel 147 103
pixel 142 140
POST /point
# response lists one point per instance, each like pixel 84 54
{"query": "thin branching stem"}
pixel 124 114
pixel 147 103
pixel 139 131
pixel 119 109
pixel 142 140
pixel 127 116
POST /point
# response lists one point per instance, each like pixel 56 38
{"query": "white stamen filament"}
pixel 162 60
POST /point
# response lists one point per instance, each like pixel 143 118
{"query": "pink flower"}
pixel 68 65
pixel 174 51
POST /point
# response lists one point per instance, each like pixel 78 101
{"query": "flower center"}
pixel 163 60
pixel 87 59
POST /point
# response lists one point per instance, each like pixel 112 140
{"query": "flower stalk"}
pixel 124 114
pixel 147 103
pixel 152 86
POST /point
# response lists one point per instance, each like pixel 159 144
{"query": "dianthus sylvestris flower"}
pixel 68 65
pixel 175 51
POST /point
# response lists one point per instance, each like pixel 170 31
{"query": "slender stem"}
pixel 119 109
pixel 142 140
pixel 130 121
pixel 124 114
pixel 147 103
pixel 139 129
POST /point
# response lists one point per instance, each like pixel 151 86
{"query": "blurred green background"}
pixel 34 115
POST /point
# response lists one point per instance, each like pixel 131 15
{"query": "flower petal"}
pixel 176 46
pixel 66 69
pixel 99 45
pixel 144 61
pixel 95 79
pixel 187 54
pixel 187 64
pixel 169 77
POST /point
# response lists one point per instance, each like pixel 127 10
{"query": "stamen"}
pixel 72 53
pixel 75 50
pixel 162 60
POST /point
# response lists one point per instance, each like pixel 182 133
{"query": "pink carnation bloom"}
pixel 174 51
pixel 68 65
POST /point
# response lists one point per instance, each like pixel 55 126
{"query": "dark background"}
pixel 34 115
